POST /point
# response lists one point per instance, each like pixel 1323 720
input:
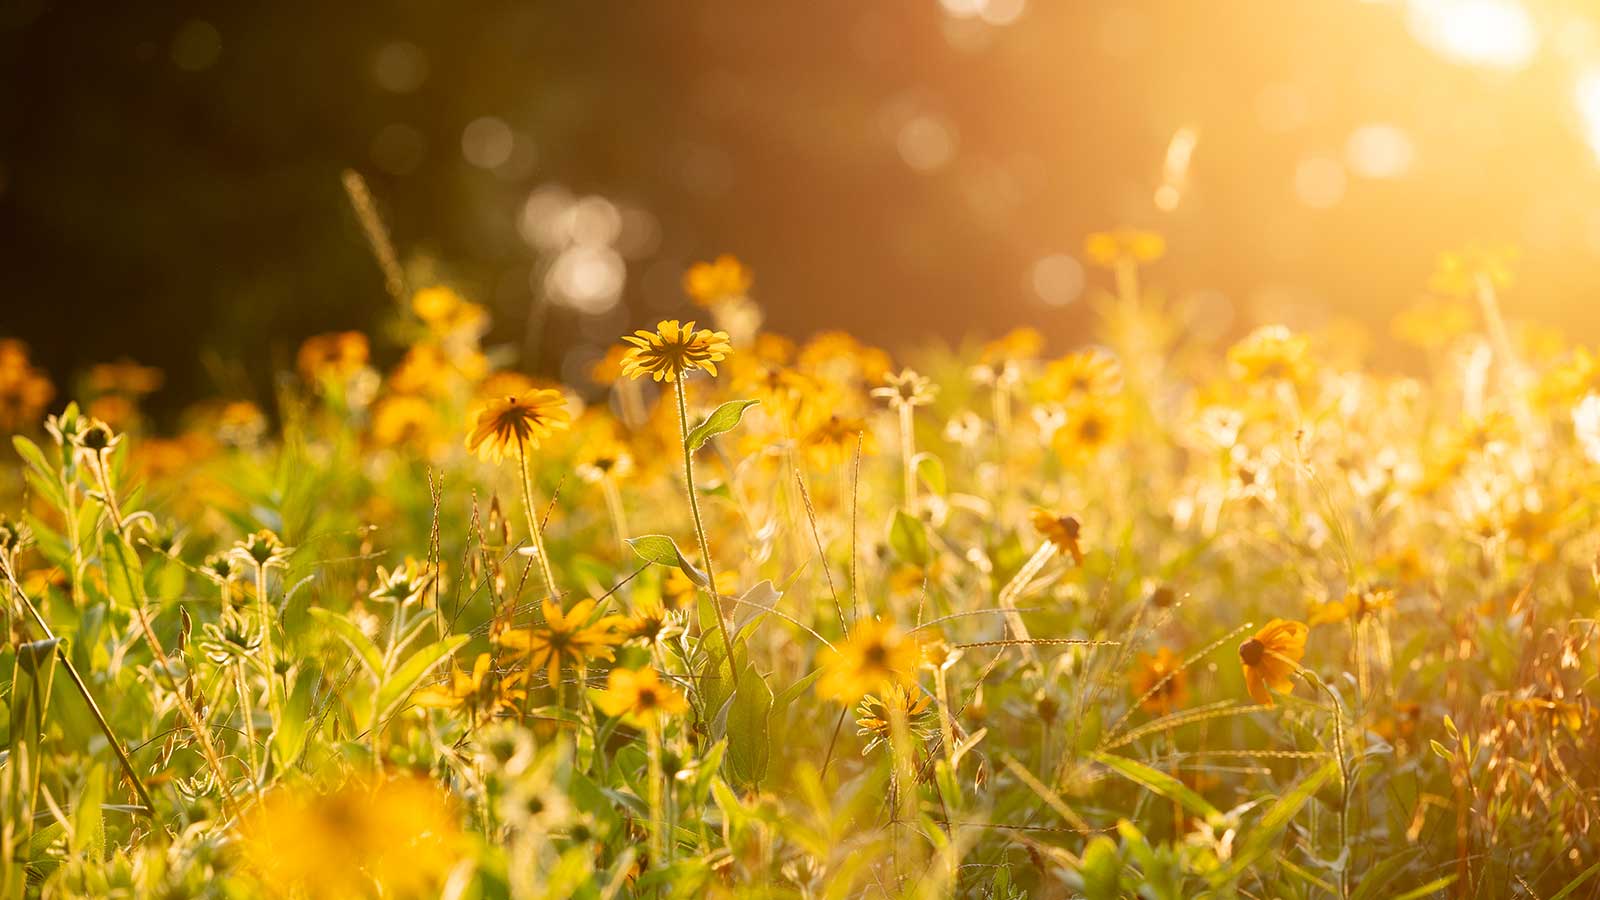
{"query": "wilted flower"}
pixel 231 640
pixel 1062 531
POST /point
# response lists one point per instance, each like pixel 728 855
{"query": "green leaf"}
pixel 930 469
pixel 88 821
pixel 1101 869
pixel 347 631
pixel 1277 817
pixel 663 550
pixel 1439 884
pixel 124 574
pixel 44 478
pixel 724 419
pixel 1157 782
pixel 908 538
pixel 408 676
pixel 290 737
pixel 748 745
pixel 1576 883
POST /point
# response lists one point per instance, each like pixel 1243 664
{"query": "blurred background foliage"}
pixel 170 173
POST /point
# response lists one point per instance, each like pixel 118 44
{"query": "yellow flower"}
pixel 1017 345
pixel 1354 606
pixel 517 423
pixel 565 637
pixel 710 283
pixel 398 836
pixel 1459 273
pixel 1149 671
pixel 906 388
pixel 875 716
pixel 1271 353
pixel 837 356
pixel 876 654
pixel 241 423
pixel 407 584
pixel 640 695
pixel 336 356
pixel 1063 531
pixel 602 459
pixel 834 441
pixel 1124 245
pixel 1271 658
pixel 1082 374
pixel 403 419
pixel 436 304
pixel 478 690
pixel 674 350
pixel 1434 324
pixel 651 622
pixel 1089 427
pixel 608 369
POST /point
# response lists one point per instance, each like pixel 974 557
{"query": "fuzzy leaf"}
pixel 408 676
pixel 724 419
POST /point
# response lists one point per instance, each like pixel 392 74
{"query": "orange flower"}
pixel 517 423
pixel 640 695
pixel 1063 531
pixel 1272 657
pixel 1163 668
pixel 709 283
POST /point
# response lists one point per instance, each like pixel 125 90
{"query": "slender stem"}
pixel 536 533
pixel 699 525
pixel 947 732
pixel 658 830
pixel 247 714
pixel 614 508
pixel 88 698
pixel 1344 779
pixel 908 452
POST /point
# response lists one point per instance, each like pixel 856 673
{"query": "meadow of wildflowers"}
pixel 750 616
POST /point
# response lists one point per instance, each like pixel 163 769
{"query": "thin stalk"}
pixel 947 731
pixel 83 689
pixel 908 453
pixel 247 714
pixel 699 525
pixel 658 831
pixel 534 530
pixel 1344 780
pixel 614 508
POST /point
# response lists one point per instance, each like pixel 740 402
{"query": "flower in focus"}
pixel 1271 353
pixel 517 423
pixel 674 350
pixel 1160 676
pixel 875 655
pixel 639 695
pixel 725 278
pixel 479 690
pixel 1062 531
pixel 875 716
pixel 652 623
pixel 397 837
pixel 566 637
pixel 1272 657
pixel 1124 245
pixel 24 390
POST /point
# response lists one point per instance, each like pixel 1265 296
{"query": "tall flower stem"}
pixel 246 713
pixel 699 525
pixel 535 532
pixel 908 453
pixel 658 819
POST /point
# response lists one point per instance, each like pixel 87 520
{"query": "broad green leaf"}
pixel 748 744
pixel 908 537
pixel 724 419
pixel 347 631
pixel 663 550
pixel 408 676
pixel 124 574
pixel 1260 839
pixel 292 728
pixel 1157 782
pixel 42 476
pixel 88 821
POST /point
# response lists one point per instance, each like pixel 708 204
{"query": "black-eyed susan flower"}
pixel 1087 427
pixel 517 423
pixel 565 638
pixel 406 584
pixel 336 356
pixel 673 350
pixel 835 438
pixel 1159 683
pixel 231 640
pixel 1271 353
pixel 480 690
pixel 1271 658
pixel 1086 373
pixel 124 377
pixel 1062 531
pixel 710 283
pixel 640 696
pixel 906 389
pixel 875 716
pixel 604 459
pixel 1353 606
pixel 875 655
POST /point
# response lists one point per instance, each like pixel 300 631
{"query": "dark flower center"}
pixel 1252 651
